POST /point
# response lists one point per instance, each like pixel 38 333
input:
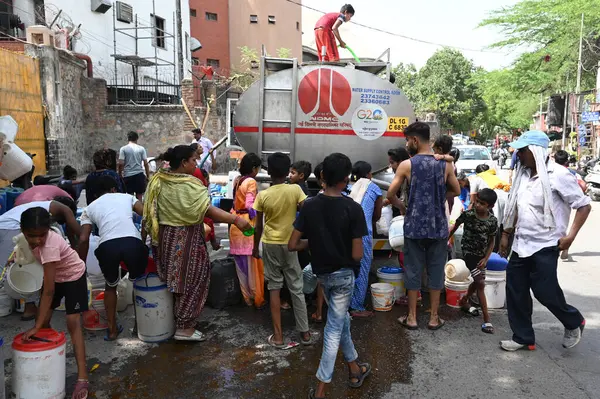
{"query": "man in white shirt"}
pixel 120 241
pixel 209 165
pixel 133 160
pixel 542 196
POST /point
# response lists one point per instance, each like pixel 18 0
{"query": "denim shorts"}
pixel 425 253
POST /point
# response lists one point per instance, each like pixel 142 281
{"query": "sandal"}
pixel 439 325
pixel 361 314
pixel 285 306
pixel 360 378
pixel 108 338
pixel 197 336
pixel 487 328
pixel 311 394
pixel 81 389
pixel 404 323
pixel 282 346
pixel 471 310
pixel 316 319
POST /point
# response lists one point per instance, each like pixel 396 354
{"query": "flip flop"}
pixel 404 323
pixel 314 336
pixel 316 319
pixel 365 314
pixel 283 346
pixel 197 336
pixel 28 318
pixel 440 324
pixel 81 389
pixel 311 394
pixel 487 328
pixel 107 337
pixel 360 377
pixel 286 306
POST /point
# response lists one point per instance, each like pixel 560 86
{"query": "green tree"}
pixel 443 86
pixel 549 32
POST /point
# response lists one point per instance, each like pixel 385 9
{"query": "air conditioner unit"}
pixel 124 12
pixel 101 6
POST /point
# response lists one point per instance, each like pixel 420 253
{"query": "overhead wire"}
pixel 414 39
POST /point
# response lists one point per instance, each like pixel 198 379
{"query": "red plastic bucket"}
pixel 455 291
pixel 95 318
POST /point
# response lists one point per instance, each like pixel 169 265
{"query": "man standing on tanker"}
pixel 326 31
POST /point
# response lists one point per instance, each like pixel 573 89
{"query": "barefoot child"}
pixel 477 245
pixel 334 226
pixel 327 30
pixel 64 277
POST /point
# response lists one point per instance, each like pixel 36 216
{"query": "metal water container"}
pixel 311 111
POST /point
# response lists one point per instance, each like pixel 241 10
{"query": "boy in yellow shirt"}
pixel 279 204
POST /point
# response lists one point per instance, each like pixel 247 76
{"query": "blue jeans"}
pixel 338 287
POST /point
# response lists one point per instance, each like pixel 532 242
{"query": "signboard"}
pixel 397 124
pixel 587 117
pixel 581 130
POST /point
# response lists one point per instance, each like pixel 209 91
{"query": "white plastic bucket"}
pixel 393 276
pixel 495 289
pixel 8 129
pixel 23 281
pixel 455 291
pixel 382 296
pixel 39 367
pixel 92 264
pixel 456 270
pixel 396 233
pixel 154 309
pixel 15 162
pixel 95 318
pixel 6 303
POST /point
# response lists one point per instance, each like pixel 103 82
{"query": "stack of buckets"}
pixel 458 279
pixel 495 281
pixel 389 288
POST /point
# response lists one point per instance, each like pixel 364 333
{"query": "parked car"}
pixel 472 156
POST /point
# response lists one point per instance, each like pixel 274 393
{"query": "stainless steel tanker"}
pixel 313 110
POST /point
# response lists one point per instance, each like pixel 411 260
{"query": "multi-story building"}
pixel 225 26
pixel 131 43
pixel 209 22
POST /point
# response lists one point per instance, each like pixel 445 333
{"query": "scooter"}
pixel 592 180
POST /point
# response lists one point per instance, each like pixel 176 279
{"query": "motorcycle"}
pixel 592 181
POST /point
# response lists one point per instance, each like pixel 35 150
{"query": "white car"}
pixel 472 156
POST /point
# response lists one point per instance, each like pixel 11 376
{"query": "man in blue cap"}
pixel 538 211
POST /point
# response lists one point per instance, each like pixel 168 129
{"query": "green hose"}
pixel 353 55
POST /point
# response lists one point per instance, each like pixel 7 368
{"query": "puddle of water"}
pixel 236 362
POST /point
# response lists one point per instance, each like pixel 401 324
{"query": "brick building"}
pixel 209 22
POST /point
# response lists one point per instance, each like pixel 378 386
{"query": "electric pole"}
pixel 179 38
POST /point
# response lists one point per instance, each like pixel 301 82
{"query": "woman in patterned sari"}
pixel 250 270
pixel 174 210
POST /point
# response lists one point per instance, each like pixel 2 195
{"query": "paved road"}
pixel 457 361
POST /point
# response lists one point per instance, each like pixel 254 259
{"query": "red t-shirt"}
pixel 328 20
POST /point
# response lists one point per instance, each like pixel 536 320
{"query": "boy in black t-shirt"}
pixel 477 245
pixel 334 226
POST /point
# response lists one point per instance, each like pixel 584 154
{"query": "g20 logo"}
pixel 368 114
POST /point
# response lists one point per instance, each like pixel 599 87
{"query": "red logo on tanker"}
pixel 324 94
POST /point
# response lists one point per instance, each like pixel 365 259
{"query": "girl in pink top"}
pixel 64 277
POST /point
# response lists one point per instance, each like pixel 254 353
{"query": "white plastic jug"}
pixel 383 224
pixel 124 293
pixel 15 162
pixel 396 233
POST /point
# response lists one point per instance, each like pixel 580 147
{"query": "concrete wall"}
pixel 97 33
pixel 214 35
pixel 282 34
pixel 79 121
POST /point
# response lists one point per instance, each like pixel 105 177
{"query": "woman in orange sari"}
pixel 249 269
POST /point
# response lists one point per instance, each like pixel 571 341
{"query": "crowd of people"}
pixel 330 233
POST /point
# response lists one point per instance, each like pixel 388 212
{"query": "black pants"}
pixel 538 273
